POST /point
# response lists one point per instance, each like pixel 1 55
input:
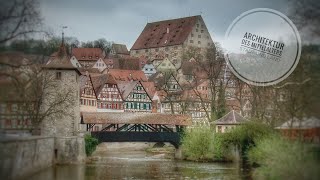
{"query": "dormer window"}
pixel 90 57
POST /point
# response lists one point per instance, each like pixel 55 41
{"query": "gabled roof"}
pixel 127 75
pixel 149 88
pixel 86 53
pixel 84 79
pixel 165 33
pixel 126 87
pixel 98 81
pixel 120 49
pixel 231 118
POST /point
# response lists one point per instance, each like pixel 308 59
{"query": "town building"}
pixel 229 121
pixel 166 66
pixel 118 50
pixel 109 98
pixel 88 97
pixel 135 96
pixel 87 57
pixel 170 38
pixel 149 69
pixel 100 64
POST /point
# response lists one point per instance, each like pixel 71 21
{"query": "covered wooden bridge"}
pixel 136 127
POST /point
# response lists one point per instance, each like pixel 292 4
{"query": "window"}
pixel 146 50
pixel 196 30
pixel 199 36
pixel 208 44
pixel 219 129
pixel 137 52
pixel 58 75
pixel 199 42
pixel 191 35
pixel 191 41
pixel 197 25
pixel 157 50
pixel 167 49
pixel 202 31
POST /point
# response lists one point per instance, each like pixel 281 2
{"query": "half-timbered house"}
pixel 108 95
pixel 135 97
pixel 88 97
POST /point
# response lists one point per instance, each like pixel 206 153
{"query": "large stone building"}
pixel 170 38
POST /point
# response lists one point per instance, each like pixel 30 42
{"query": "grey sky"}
pixel 122 21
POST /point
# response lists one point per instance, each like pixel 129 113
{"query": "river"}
pixel 140 165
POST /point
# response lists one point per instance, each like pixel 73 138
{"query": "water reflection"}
pixel 139 165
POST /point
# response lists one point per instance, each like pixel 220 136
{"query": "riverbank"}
pixel 125 163
pixel 25 155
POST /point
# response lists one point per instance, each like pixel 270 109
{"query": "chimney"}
pixel 167 30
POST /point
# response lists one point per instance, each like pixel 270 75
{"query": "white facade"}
pixel 149 70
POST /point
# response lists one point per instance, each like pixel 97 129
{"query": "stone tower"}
pixel 61 96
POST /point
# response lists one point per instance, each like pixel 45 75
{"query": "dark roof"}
pixel 86 53
pixel 126 87
pixel 135 118
pixel 90 70
pixel 165 33
pixel 230 118
pixel 124 62
pixel 98 82
pixel 120 49
pixel 150 88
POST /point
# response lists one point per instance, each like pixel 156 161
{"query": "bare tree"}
pixel 19 18
pixel 210 66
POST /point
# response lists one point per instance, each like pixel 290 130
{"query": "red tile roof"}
pixel 150 88
pixel 86 53
pixel 127 75
pixel 165 33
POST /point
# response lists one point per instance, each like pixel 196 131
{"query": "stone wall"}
pixel 23 156
pixel 66 122
pixel 69 150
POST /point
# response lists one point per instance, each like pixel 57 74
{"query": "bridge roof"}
pixel 135 118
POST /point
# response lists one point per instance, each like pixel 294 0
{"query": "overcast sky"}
pixel 122 21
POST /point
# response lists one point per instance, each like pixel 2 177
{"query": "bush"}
pixel 243 136
pixel 197 144
pixel 279 158
pixel 90 144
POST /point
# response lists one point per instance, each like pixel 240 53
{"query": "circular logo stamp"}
pixel 263 47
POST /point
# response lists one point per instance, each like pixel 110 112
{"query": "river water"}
pixel 140 165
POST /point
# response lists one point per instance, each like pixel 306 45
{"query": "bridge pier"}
pixel 178 153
